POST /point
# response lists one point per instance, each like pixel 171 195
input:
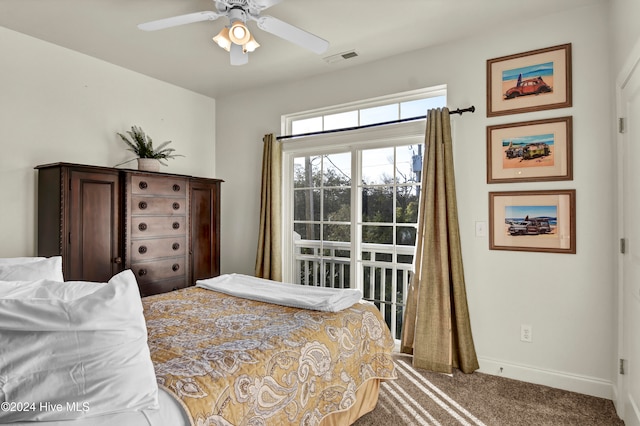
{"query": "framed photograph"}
pixel 542 221
pixel 530 151
pixel 530 81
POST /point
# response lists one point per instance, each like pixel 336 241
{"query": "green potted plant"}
pixel 149 158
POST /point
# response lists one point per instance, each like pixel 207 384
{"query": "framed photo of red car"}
pixel 538 221
pixel 530 81
pixel 530 151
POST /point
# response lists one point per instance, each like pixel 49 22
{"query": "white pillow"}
pixel 17 260
pixel 47 289
pixel 45 269
pixel 74 355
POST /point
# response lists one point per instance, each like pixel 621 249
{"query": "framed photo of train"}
pixel 539 221
pixel 530 81
pixel 530 151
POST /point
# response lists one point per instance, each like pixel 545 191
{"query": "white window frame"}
pixel 287 120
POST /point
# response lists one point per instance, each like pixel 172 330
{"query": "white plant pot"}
pixel 148 164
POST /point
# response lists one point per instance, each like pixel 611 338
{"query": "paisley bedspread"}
pixel 233 361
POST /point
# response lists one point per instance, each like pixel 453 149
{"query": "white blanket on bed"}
pixel 292 295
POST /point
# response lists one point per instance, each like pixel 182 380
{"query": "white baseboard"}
pixel 555 379
pixel 631 413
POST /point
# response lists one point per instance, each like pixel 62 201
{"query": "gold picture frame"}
pixel 537 221
pixel 530 151
pixel 529 81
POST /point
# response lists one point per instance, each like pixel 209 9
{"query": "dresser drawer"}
pixel 147 249
pixel 149 272
pixel 153 185
pixel 157 226
pixel 158 205
pixel 157 287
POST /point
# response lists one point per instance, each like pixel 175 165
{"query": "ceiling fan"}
pixel 236 37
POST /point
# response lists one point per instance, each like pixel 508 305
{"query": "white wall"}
pixel 568 299
pixel 57 105
pixel 625 30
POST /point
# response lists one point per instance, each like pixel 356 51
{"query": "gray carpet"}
pixel 420 397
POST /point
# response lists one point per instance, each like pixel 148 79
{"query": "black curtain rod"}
pixel 366 126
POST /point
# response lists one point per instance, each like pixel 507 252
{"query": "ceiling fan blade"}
pixel 237 56
pixel 174 21
pixel 293 34
pixel 262 4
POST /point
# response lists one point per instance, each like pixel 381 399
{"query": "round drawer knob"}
pixel 142 205
pixel 142 272
pixel 176 187
pixel 143 185
pixel 175 267
pixel 142 249
pixel 175 246
pixel 142 226
pixel 176 225
pixel 176 206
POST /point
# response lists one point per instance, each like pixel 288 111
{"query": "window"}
pixel 351 198
pixel 379 110
pixel 322 219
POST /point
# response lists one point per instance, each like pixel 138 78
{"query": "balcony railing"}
pixel 383 276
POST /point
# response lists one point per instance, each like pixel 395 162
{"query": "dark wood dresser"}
pixel 164 227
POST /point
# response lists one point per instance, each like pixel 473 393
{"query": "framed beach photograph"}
pixel 530 151
pixel 539 221
pixel 530 81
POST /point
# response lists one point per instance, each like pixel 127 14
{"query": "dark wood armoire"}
pixel 164 227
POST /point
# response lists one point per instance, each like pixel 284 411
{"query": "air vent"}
pixel 340 57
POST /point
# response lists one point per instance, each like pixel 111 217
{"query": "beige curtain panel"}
pixel 436 326
pixel 269 254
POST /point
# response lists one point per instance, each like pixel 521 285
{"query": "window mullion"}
pixel 394 196
pixel 356 218
pixel 321 266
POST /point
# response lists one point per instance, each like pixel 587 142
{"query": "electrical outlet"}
pixel 525 333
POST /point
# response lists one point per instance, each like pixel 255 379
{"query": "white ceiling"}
pixel 187 57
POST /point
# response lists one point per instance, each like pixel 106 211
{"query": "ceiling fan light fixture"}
pixel 239 33
pixel 251 45
pixel 223 40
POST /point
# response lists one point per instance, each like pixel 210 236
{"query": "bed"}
pixel 196 356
